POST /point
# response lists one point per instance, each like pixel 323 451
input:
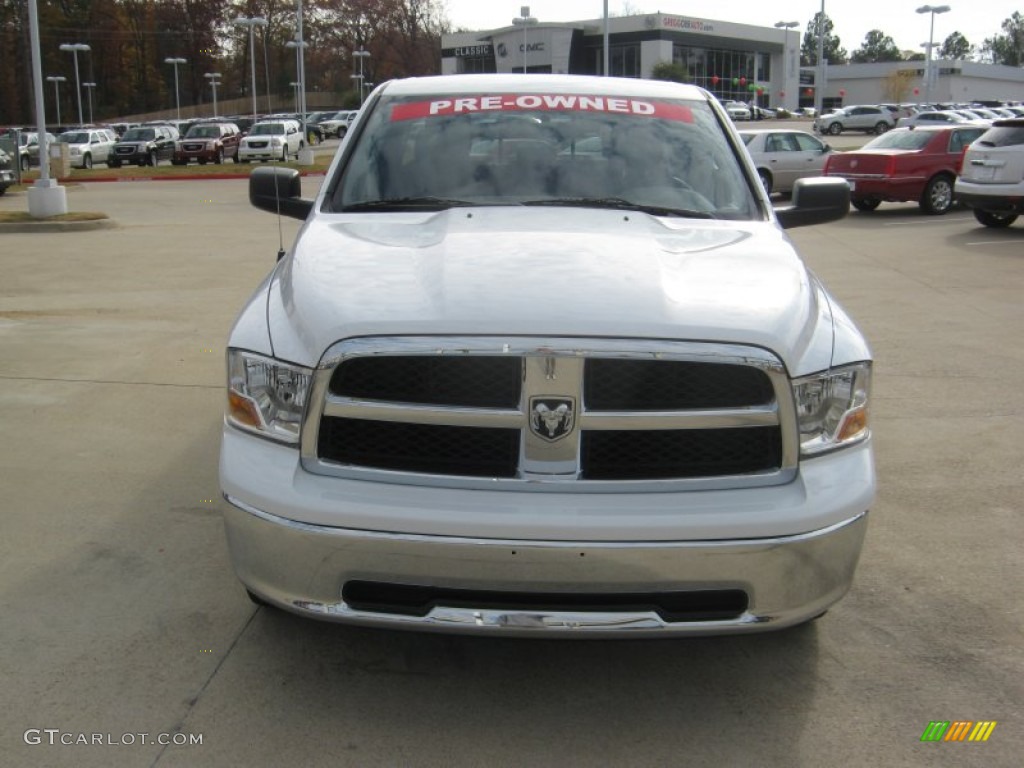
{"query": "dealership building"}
pixel 733 61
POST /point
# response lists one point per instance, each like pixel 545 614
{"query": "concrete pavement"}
pixel 121 617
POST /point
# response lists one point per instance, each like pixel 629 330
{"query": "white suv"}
pixel 271 140
pixel 992 178
pixel 88 146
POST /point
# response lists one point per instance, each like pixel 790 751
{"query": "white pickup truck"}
pixel 542 361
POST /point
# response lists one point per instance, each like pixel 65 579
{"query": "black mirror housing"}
pixel 816 200
pixel 279 190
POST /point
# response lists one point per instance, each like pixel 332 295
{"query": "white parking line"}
pixel 928 221
pixel 996 242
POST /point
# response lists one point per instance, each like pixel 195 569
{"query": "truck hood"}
pixel 546 271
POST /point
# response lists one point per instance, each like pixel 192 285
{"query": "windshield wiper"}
pixel 618 203
pixel 407 204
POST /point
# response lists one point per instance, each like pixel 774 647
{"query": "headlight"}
pixel 275 142
pixel 266 396
pixel 832 408
pixel 76 150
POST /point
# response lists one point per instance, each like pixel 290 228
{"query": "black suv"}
pixel 144 145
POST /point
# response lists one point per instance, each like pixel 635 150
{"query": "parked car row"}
pixel 935 165
pixel 6 174
pixel 210 141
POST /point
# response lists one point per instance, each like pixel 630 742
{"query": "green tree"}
pixel 1007 49
pixel 877 46
pixel 833 52
pixel 668 70
pixel 956 47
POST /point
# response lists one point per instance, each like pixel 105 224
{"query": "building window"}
pixel 624 60
pixel 727 74
pixel 473 65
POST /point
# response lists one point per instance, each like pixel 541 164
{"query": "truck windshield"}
pixel 667 156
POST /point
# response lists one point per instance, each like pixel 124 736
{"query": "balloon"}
pixel 782 94
pixel 714 79
pixel 750 87
pixel 743 81
pixel 842 91
pixel 735 81
pixel 916 91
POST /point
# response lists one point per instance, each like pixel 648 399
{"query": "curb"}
pixel 196 177
pixel 57 226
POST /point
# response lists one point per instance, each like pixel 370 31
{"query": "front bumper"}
pixel 305 569
pixel 260 153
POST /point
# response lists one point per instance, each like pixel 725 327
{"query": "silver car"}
pixel 861 118
pixel 991 181
pixel 783 156
pixel 936 117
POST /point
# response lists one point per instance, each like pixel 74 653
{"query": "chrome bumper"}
pixel 303 568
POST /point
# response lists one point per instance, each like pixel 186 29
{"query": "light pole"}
pixel 177 93
pixel 524 20
pixel 252 22
pixel 932 9
pixel 299 46
pixel 56 80
pixel 295 92
pixel 89 87
pixel 790 56
pixel 361 54
pixel 819 77
pixel 75 48
pixel 214 78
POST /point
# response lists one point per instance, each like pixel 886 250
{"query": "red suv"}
pixel 208 143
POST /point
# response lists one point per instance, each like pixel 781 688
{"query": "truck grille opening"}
pixel 636 455
pixel 478 382
pixel 438 449
pixel 673 607
pixel 656 385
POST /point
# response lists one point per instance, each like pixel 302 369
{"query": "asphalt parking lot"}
pixel 121 616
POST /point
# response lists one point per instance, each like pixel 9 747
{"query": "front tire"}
pixel 994 219
pixel 766 181
pixel 881 128
pixel 152 161
pixel 219 159
pixel 866 204
pixel 938 196
pixel 86 162
pixel 24 163
pixel 835 129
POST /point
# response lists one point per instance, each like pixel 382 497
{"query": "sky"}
pixel 853 19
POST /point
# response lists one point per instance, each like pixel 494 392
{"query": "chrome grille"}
pixel 563 414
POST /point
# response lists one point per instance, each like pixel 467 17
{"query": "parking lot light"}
pixel 361 54
pixel 89 87
pixel 177 94
pixel 252 22
pixel 524 20
pixel 214 78
pixel 75 48
pixel 57 80
pixel 932 9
